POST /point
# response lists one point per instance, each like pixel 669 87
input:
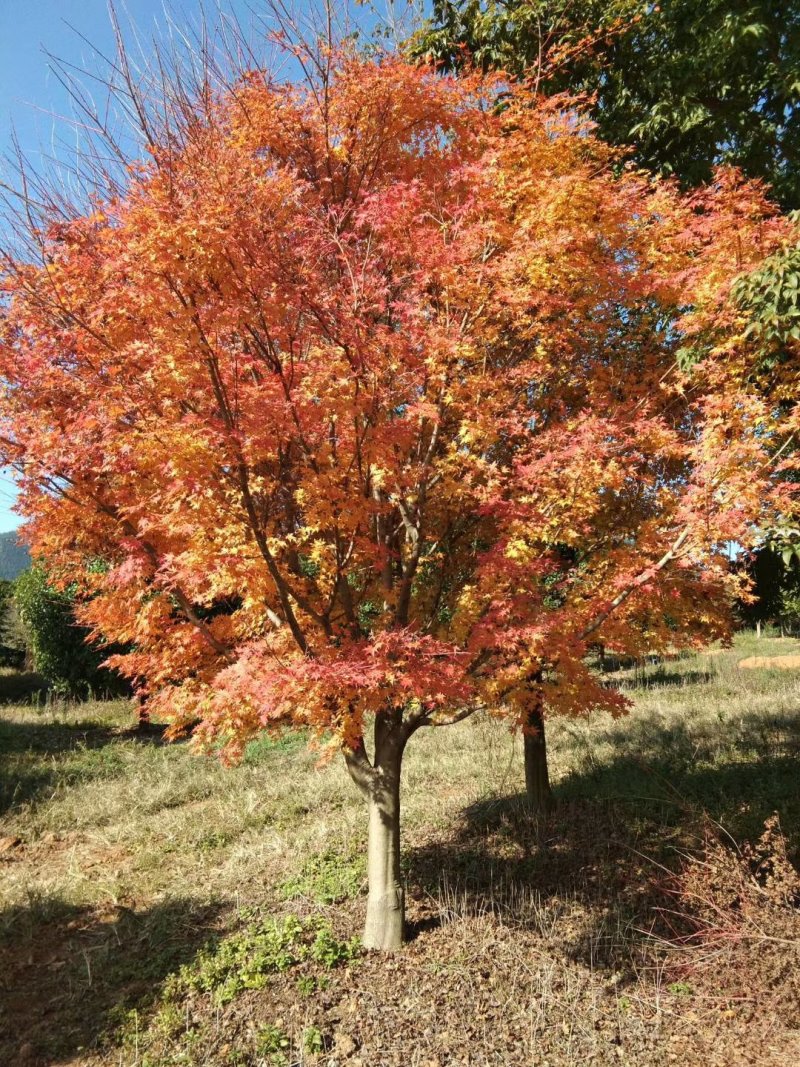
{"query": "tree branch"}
pixel 359 767
pixel 623 596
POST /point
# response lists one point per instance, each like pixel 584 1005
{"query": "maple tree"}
pixel 681 87
pixel 369 395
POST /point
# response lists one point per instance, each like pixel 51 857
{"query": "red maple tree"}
pixel 379 404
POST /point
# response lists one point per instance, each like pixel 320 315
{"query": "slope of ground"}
pixel 159 909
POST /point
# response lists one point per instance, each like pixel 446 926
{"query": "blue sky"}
pixel 31 99
pixel 33 102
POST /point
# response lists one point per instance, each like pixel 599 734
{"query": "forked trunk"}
pixel 537 779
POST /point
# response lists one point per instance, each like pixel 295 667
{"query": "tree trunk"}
pixel 380 783
pixel 758 628
pixel 385 923
pixel 143 715
pixel 537 779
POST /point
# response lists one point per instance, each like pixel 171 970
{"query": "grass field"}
pixel 159 909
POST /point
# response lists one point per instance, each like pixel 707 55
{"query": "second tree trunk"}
pixel 537 778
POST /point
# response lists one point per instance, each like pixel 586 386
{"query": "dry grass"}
pixel 557 941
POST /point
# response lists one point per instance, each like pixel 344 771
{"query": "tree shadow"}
pixel 611 663
pixel 596 876
pixel 738 774
pixel 19 686
pixel 68 748
pixel 22 687
pixel 70 974
pixel 582 862
pixel 661 678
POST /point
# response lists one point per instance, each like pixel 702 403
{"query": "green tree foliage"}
pixel 13 640
pixel 6 594
pixel 770 297
pixel 58 644
pixel 784 544
pixel 767 574
pixel 775 573
pixel 687 84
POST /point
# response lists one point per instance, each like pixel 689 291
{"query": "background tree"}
pixel 768 297
pixel 58 644
pixel 392 374
pixel 686 85
pixel 775 572
pixel 13 641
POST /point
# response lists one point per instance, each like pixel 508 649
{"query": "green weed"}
pixel 271 1041
pixel 329 951
pixel 264 947
pixel 313 1040
pixel 680 989
pixel 309 984
pixel 327 878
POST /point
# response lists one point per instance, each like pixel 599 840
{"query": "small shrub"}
pixel 59 645
pixel 769 863
pixel 725 895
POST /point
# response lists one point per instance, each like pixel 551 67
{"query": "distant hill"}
pixel 14 557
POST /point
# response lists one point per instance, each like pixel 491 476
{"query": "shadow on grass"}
pixel 69 974
pixel 618 831
pixel 35 757
pixel 661 678
pixel 738 772
pixel 610 664
pixel 22 687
